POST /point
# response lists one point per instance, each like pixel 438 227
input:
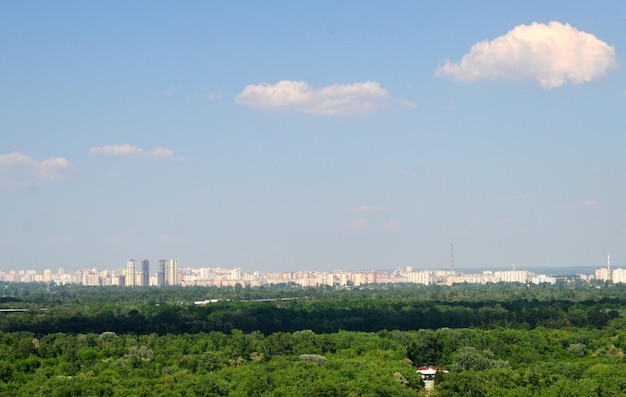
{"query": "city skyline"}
pixel 169 273
pixel 130 277
pixel 286 136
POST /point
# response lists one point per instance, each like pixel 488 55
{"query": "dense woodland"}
pixel 496 340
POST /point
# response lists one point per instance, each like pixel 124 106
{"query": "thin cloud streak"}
pixel 580 205
pixel 370 208
pixel 118 238
pixel 58 240
pixel 127 150
pixel 337 99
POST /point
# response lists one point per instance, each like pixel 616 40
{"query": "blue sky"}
pixel 331 134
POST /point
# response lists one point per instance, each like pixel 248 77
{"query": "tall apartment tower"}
pixel 131 271
pixel 172 272
pixel 145 273
pixel 161 265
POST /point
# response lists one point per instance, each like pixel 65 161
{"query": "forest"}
pixel 494 340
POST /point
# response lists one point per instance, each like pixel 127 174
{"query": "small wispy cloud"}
pixel 336 99
pixel 160 152
pixel 408 173
pixel 552 54
pixel 504 221
pixel 172 238
pixel 363 224
pixel 370 208
pixel 127 150
pixel 58 240
pixel 211 96
pixel 590 203
pixel 405 103
pixel 49 168
pixel 360 224
pixel 391 224
pixel 522 197
pixel 580 205
pixel 118 238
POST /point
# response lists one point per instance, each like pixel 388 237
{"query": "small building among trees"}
pixel 428 374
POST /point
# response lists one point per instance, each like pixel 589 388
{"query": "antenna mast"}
pixel 452 257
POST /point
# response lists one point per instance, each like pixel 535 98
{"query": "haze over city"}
pixel 280 136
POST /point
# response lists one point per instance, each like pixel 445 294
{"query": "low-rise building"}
pixel 428 375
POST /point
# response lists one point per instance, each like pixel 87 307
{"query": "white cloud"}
pixel 391 224
pixel 405 103
pixel 15 158
pixel 116 150
pixel 47 169
pixel 360 224
pixel 172 238
pixel 212 96
pixel 127 150
pixel 161 152
pixel 118 238
pixel 552 54
pixel 58 240
pixel 370 208
pixel 300 96
pixel 580 205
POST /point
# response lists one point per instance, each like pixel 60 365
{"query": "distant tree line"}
pixel 164 311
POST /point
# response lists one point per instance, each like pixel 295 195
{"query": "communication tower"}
pixel 452 257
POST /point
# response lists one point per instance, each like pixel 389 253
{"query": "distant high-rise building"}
pixel 161 265
pixel 145 273
pixel 47 275
pixel 130 273
pixel 422 277
pixel 618 276
pixel 172 272
pixel 604 274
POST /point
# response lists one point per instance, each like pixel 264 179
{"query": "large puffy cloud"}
pixel 552 54
pixel 300 96
pixel 48 168
pixel 127 150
